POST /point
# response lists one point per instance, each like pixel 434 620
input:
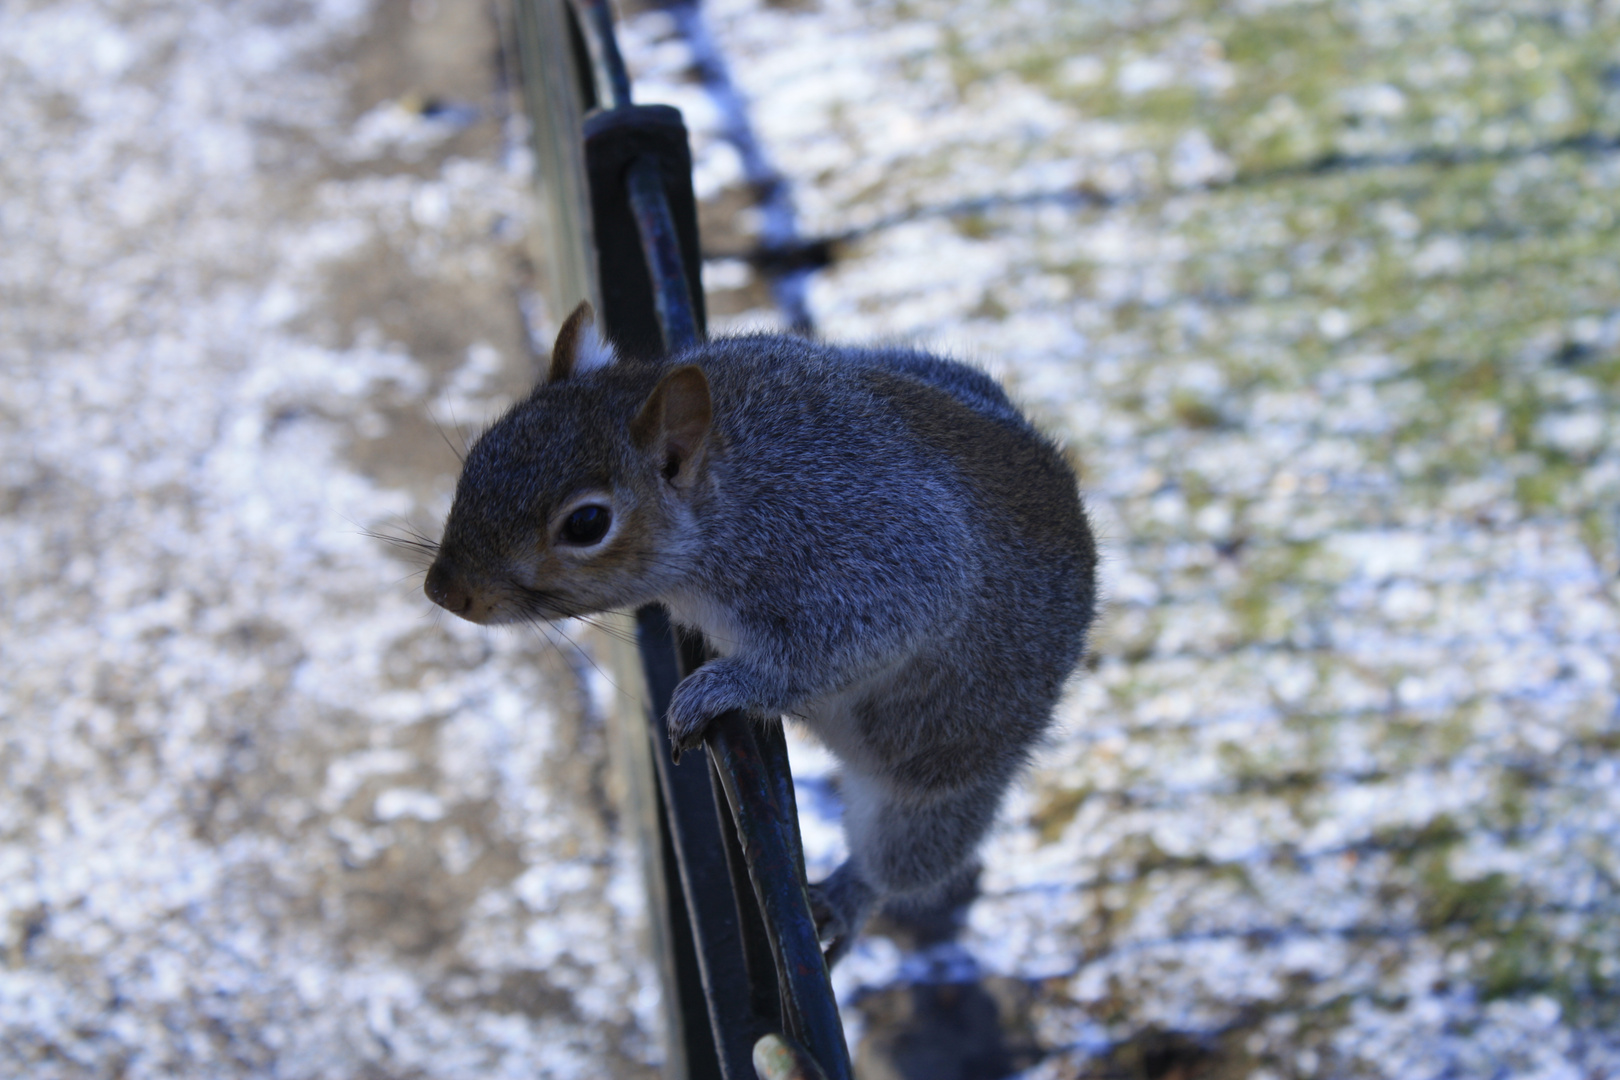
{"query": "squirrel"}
pixel 874 542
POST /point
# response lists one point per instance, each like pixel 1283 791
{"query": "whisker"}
pixel 461 431
pixel 618 633
pixel 583 652
pixel 461 455
pixel 412 544
pixel 414 573
pixel 404 543
pixel 419 538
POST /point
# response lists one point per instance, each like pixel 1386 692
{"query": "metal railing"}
pixel 746 985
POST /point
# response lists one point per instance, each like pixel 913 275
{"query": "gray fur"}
pixel 875 542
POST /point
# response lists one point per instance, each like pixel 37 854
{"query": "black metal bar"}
pixel 692 1043
pixel 616 142
pixel 773 745
pixel 758 785
pixel 672 295
pixel 755 795
pixel 718 1020
pixel 580 52
pixel 759 955
pixel 637 158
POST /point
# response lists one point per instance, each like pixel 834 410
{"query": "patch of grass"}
pixel 1549 488
pixel 973 226
pixel 1600 532
pixel 1526 953
pixel 1446 901
pixel 1194 412
pixel 1268 570
pixel 988 307
pixel 1054 813
pixel 1407 843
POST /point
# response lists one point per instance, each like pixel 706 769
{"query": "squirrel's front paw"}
pixel 700 697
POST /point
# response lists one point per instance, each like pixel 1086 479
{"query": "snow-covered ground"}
pixel 262 813
pixel 1323 295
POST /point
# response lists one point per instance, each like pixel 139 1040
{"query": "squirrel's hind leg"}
pixel 900 848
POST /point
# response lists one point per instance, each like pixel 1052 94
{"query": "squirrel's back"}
pixel 910 474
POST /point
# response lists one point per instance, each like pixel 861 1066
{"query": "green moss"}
pixel 974 226
pixel 1454 734
pixel 1600 532
pixel 1543 490
pixel 1196 489
pixel 1447 901
pixel 1527 957
pixel 1194 412
pixel 1054 812
pixel 1258 772
pixel 1408 843
pixel 1524 954
pixel 1605 373
pixel 989 307
pixel 1266 572
pixel 1515 788
pixel 1517 965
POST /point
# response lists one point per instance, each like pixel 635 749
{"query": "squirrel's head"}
pixel 580 498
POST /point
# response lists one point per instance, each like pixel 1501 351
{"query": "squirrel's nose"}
pixel 445 588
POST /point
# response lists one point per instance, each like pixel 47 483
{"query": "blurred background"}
pixel 1324 297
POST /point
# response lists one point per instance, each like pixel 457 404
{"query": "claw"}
pixel 681 743
pixel 828 926
pixel 836 949
pixel 835 941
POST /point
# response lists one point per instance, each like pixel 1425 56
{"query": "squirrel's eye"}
pixel 586 525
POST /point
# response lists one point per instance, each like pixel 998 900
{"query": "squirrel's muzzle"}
pixel 449 588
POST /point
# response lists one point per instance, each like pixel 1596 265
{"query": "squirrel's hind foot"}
pixel 841 904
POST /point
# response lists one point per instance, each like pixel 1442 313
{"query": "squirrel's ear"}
pixel 579 347
pixel 675 421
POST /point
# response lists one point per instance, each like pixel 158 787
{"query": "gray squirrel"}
pixel 874 542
